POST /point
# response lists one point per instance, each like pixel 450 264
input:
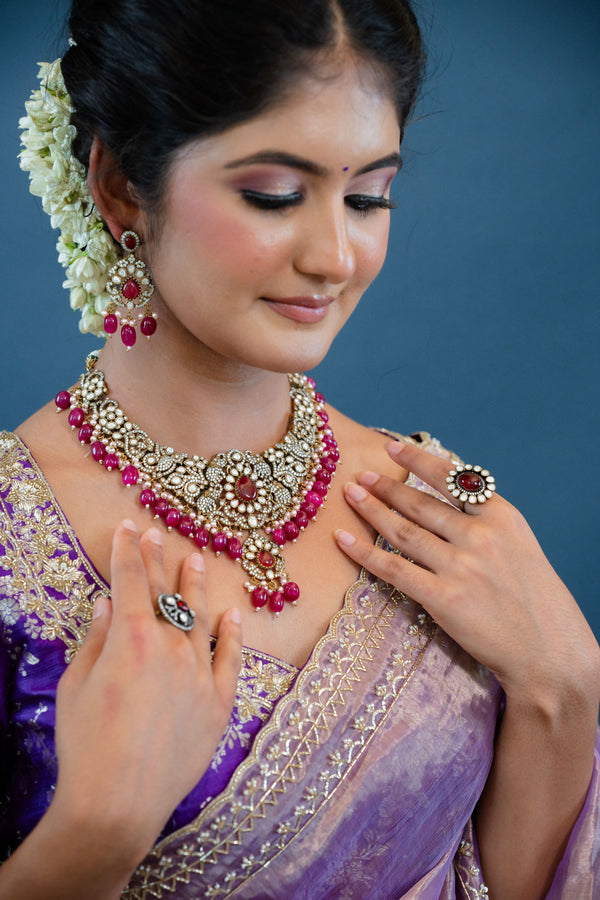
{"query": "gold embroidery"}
pixel 468 873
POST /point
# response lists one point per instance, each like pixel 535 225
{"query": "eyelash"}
pixel 363 204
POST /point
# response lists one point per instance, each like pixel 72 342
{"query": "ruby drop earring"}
pixel 130 288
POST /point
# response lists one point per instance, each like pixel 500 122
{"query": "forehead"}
pixel 343 113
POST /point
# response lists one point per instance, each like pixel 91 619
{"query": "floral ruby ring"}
pixel 175 610
pixel 470 484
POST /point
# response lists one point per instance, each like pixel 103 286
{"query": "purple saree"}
pixel 353 777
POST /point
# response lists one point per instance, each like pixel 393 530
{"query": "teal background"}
pixel 483 327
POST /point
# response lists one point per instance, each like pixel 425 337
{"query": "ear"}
pixel 113 194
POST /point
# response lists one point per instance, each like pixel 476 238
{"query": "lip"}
pixel 306 309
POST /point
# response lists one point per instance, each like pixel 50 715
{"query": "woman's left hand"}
pixel 480 574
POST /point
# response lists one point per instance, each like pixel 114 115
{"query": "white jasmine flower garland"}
pixel 85 247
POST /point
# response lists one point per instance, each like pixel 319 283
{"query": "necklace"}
pixel 243 504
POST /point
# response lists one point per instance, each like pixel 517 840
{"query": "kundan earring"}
pixel 130 287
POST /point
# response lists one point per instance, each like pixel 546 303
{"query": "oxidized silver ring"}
pixel 470 484
pixel 175 610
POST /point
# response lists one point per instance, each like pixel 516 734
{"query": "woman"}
pixel 244 176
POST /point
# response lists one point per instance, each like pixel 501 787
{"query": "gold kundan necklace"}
pixel 245 505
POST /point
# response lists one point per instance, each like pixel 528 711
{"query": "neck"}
pixel 202 404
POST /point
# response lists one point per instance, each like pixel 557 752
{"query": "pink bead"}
pixel 148 326
pixel 314 498
pixel 172 519
pixel 63 400
pixel 130 476
pixel 148 498
pixel 310 509
pixel 311 382
pixel 276 602
pixel 259 597
pixel 186 526
pixel 111 461
pixel 76 417
pixel 323 476
pixel 328 465
pixel 320 488
pixel 161 508
pixel 291 531
pixel 279 536
pixel 128 335
pixel 301 519
pixel 98 451
pixel 201 538
pixel 111 323
pixel 334 454
pixel 291 591
pixel 319 397
pixel 219 542
pixel 234 549
pixel 323 415
pixel 85 433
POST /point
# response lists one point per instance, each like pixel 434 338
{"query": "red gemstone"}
pixel 98 451
pixel 85 433
pixel 201 538
pixel 186 526
pixel 148 498
pixel 130 242
pixel 470 482
pixel 310 509
pixel 328 465
pixel 259 597
pixel 276 602
pixel 301 519
pixel 76 417
pixel 311 382
pixel 265 559
pixel 130 476
pixel 279 536
pixel 323 476
pixel 291 531
pixel 314 498
pixel 234 549
pixel 172 518
pixel 161 508
pixel 131 289
pixel 334 454
pixel 319 397
pixel 148 326
pixel 291 591
pixel 182 605
pixel 111 461
pixel 320 488
pixel 323 415
pixel 111 323
pixel 219 542
pixel 63 400
pixel 128 335
pixel 245 488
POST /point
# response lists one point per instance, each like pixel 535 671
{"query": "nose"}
pixel 325 249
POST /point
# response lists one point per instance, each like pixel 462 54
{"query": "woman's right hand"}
pixel 139 714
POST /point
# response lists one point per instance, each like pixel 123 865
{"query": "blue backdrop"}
pixel 484 326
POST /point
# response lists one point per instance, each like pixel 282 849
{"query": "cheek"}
pixel 371 251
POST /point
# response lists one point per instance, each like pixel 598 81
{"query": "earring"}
pixel 130 286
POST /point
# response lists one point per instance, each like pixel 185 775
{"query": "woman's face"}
pixel 274 228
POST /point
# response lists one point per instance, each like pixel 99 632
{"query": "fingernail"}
pixel 355 492
pixel 155 536
pixel 236 615
pixel 345 538
pixel 99 607
pixel 368 478
pixel 396 448
pixel 197 562
pixel 129 525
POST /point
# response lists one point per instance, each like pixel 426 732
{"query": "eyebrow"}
pixel 280 158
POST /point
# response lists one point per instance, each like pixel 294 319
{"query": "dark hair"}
pixel 147 76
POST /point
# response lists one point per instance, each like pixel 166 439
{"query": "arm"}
pixel 484 579
pixel 140 712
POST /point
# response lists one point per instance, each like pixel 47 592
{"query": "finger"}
pixel 228 656
pixel 425 510
pixel 413 580
pixel 406 536
pixel 192 587
pixel 151 548
pixel 432 469
pixel 129 581
pixel 94 641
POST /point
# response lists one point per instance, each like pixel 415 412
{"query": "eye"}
pixel 364 204
pixel 271 201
